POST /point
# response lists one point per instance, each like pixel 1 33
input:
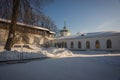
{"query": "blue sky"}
pixel 85 15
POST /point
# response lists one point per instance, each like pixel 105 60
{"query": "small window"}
pixel 65 45
pixel 72 44
pixel 62 44
pixel 55 44
pixel 87 44
pixel 59 45
pixel 97 44
pixel 0 38
pixel 109 43
pixel 79 44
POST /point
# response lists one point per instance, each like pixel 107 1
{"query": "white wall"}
pixel 65 33
pixel 115 43
pixel 39 38
pixel 3 35
pixel 36 39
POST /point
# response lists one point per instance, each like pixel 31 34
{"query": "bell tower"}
pixel 64 32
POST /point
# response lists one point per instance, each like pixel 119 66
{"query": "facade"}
pixel 65 32
pixel 26 34
pixel 90 41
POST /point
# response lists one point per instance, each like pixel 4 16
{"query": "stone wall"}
pixel 23 38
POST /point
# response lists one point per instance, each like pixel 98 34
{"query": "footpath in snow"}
pixel 20 53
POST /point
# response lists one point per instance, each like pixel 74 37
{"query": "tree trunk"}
pixel 12 28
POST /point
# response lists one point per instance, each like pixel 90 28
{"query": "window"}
pixel 55 44
pixel 0 38
pixel 72 44
pixel 79 44
pixel 62 44
pixel 87 44
pixel 59 45
pixel 109 43
pixel 65 45
pixel 97 44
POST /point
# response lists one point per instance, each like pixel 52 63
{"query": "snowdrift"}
pixel 33 52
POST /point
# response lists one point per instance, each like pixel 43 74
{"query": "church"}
pixel 105 40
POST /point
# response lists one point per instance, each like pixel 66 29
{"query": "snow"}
pixel 63 64
pixel 92 68
pixel 27 25
pixel 33 51
pixel 95 53
pixel 90 35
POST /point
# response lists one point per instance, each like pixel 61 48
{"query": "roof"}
pixel 92 35
pixel 65 30
pixel 27 25
pixel 51 32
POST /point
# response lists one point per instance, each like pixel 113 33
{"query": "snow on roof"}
pixel 31 26
pixel 27 25
pixel 52 32
pixel 92 35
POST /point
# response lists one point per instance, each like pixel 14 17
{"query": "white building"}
pixel 90 41
pixel 64 31
pixel 25 33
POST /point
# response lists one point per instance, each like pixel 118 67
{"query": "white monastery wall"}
pixel 103 46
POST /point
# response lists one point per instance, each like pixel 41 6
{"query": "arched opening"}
pixel 62 44
pixel 55 44
pixel 97 44
pixel 87 44
pixel 109 44
pixel 79 44
pixel 65 44
pixel 72 44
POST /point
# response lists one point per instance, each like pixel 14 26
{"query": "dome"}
pixel 65 30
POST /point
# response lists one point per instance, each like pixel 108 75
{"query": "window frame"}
pixel 87 44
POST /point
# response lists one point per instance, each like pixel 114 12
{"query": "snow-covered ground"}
pixel 74 68
pixel 94 53
pixel 19 53
pixel 63 64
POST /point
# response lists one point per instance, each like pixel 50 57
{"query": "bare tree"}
pixel 18 10
pixel 5 8
pixel 12 27
pixel 47 22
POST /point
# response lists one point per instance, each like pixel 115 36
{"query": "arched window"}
pixel 65 44
pixel 79 44
pixel 0 38
pixel 59 45
pixel 62 44
pixel 109 43
pixel 72 44
pixel 55 44
pixel 97 44
pixel 87 44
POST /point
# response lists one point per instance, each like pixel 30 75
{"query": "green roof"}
pixel 65 30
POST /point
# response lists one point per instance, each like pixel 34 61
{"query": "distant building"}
pixel 64 32
pixel 90 41
pixel 26 34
